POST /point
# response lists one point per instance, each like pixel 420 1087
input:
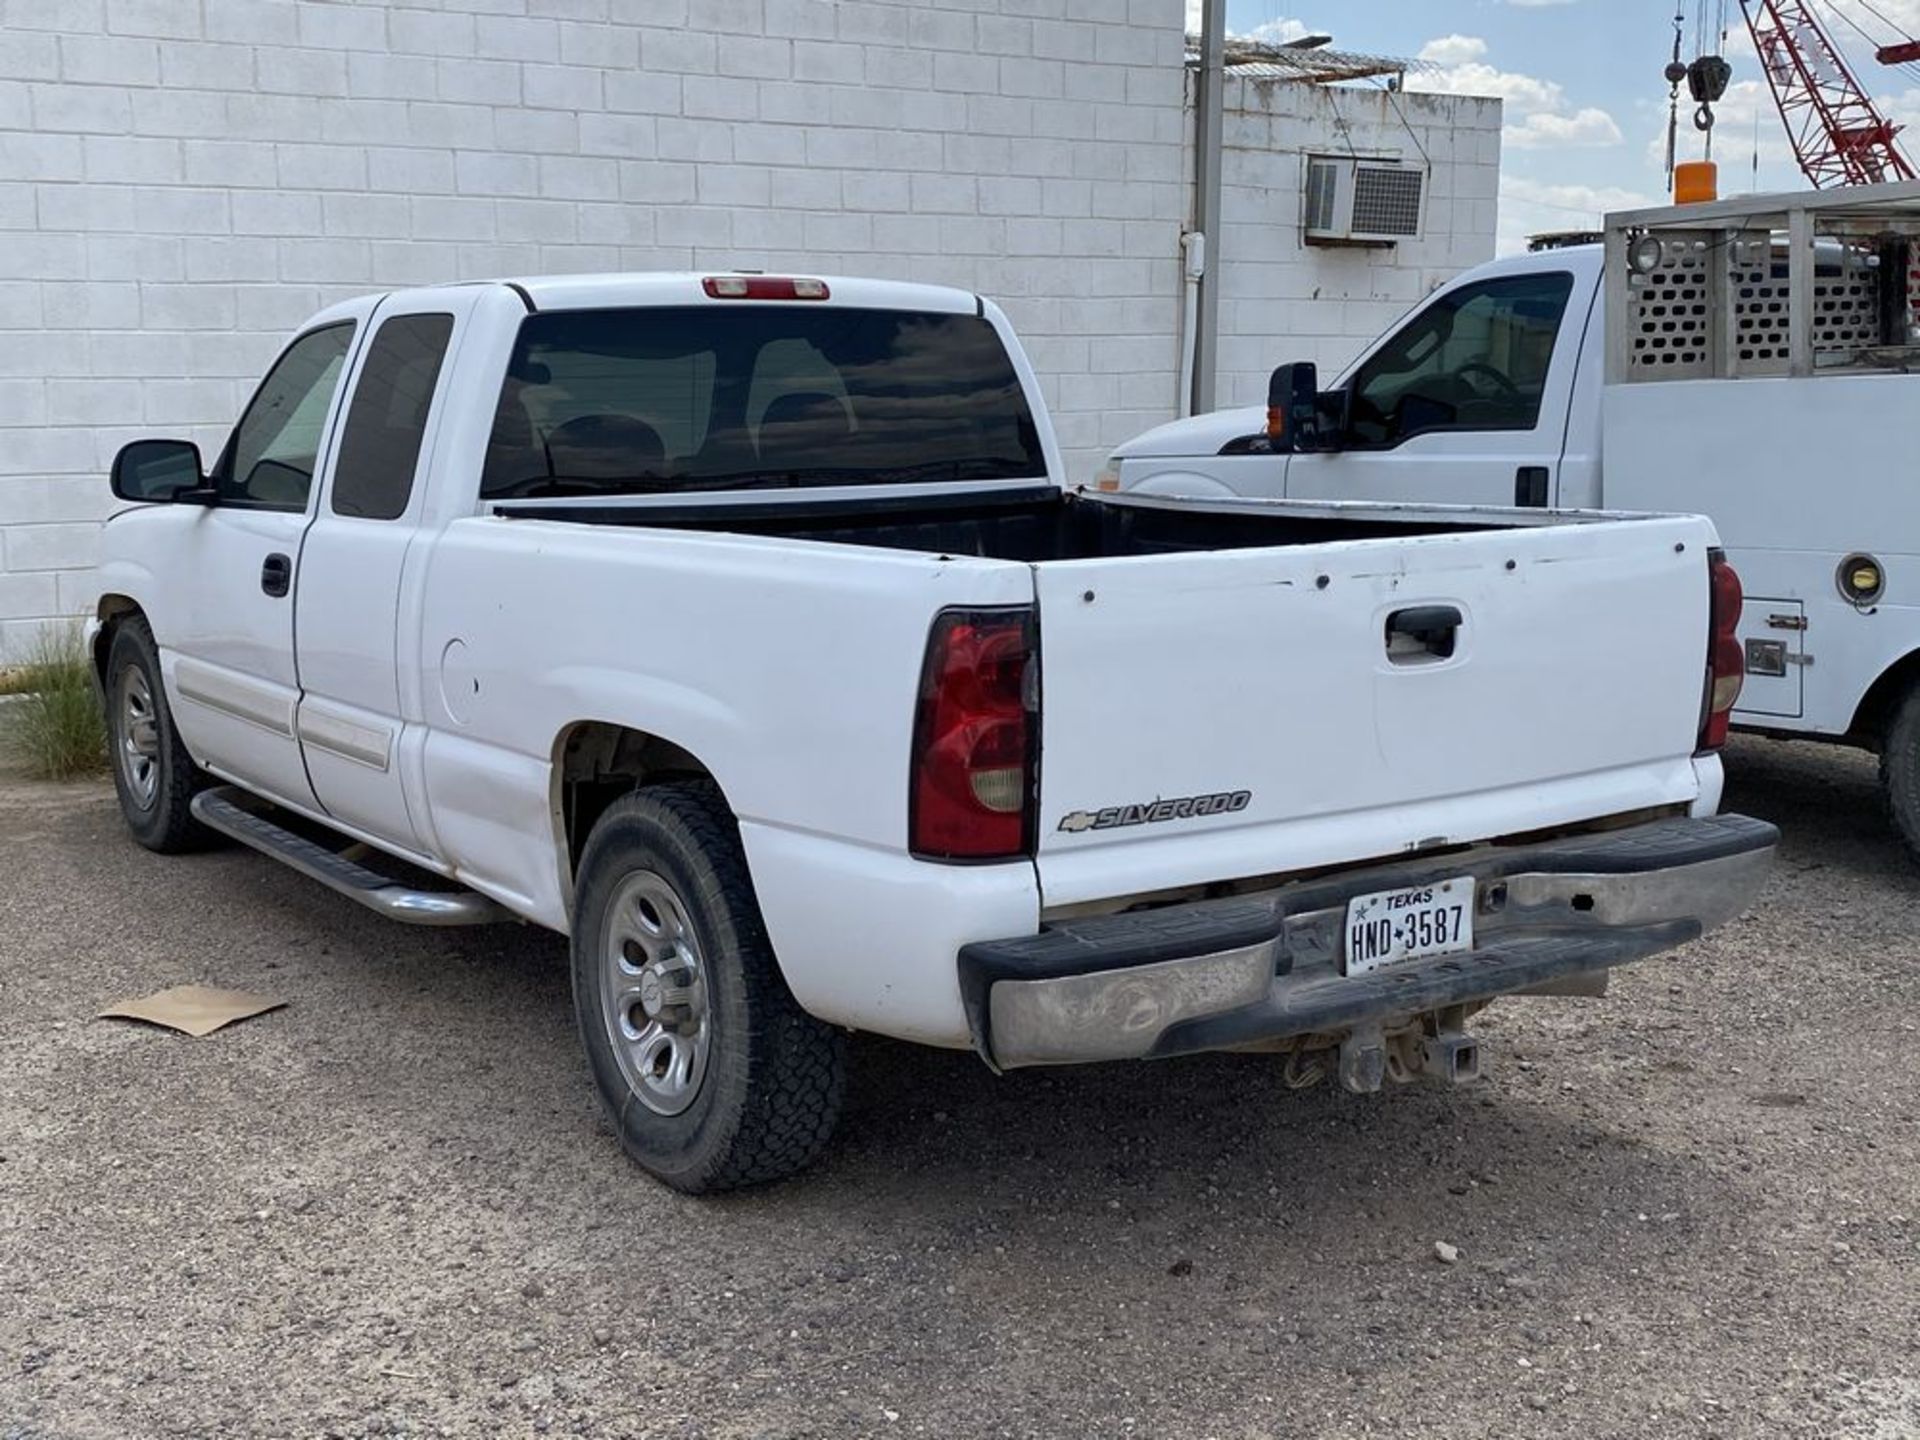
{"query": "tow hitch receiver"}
pixel 1452 1059
pixel 1436 1048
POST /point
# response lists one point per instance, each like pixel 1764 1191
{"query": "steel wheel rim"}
pixel 653 994
pixel 138 752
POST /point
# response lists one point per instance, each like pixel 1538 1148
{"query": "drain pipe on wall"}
pixel 1193 250
pixel 1208 102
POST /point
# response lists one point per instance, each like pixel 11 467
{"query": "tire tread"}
pixel 1900 771
pixel 171 829
pixel 797 1064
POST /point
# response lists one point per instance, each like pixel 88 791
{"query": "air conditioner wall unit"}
pixel 1350 201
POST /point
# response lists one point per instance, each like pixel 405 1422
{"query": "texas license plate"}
pixel 1391 927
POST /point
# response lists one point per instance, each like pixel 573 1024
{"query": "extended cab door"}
pixel 348 606
pixel 1467 402
pixel 230 667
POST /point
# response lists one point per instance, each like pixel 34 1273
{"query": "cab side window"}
pixel 387 419
pixel 1475 359
pixel 270 460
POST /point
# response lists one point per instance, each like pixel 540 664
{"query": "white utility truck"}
pixel 739 627
pixel 1749 359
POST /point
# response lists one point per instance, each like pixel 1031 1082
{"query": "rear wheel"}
pixel 152 772
pixel 711 1072
pixel 1900 769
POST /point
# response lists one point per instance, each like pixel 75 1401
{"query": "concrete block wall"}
pixel 183 181
pixel 1282 299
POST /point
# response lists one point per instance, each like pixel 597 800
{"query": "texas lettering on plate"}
pixel 1392 927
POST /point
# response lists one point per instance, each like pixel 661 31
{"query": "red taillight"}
pixel 974 733
pixel 1726 664
pixel 763 287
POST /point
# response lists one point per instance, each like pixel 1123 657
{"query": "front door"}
pixel 231 673
pixel 1466 404
pixel 351 709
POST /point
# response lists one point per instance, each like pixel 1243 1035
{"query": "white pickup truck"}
pixel 1749 359
pixel 739 626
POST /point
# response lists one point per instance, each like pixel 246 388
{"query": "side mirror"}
pixel 161 471
pixel 1299 417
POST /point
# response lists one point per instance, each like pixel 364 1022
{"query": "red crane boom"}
pixel 1839 135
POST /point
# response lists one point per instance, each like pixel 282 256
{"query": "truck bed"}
pixel 1256 654
pixel 1029 524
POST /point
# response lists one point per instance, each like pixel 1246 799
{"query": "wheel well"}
pixel 1883 697
pixel 595 763
pixel 111 610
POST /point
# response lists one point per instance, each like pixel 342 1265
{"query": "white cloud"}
pixel 1537 113
pixel 1454 49
pixel 1273 32
pixel 1524 93
pixel 1879 18
pixel 1530 207
pixel 1536 4
pixel 1542 129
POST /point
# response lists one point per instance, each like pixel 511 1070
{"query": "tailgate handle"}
pixel 1425 632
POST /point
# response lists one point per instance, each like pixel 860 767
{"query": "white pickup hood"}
pixel 1256 686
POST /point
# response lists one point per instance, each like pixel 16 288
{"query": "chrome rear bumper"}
pixel 1254 969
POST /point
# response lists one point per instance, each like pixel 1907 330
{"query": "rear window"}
pixel 715 397
pixel 387 421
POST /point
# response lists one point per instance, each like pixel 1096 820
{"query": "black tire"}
pixel 769 1087
pixel 1900 770
pixel 152 773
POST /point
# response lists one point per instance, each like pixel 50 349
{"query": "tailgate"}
pixel 1223 714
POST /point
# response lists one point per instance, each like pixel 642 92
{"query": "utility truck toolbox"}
pixel 740 628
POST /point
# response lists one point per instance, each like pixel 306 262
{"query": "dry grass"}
pixel 53 726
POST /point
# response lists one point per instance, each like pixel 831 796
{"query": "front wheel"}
pixel 711 1072
pixel 1900 769
pixel 153 775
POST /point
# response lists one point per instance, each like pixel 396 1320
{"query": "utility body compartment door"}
pixel 1773 640
pixel 1209 716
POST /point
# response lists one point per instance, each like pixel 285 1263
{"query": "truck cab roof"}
pixel 642 289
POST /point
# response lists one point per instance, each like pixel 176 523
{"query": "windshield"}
pixel 714 397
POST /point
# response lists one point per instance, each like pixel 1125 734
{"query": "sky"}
pixel 1586 103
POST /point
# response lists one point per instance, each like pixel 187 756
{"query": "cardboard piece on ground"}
pixel 195 1009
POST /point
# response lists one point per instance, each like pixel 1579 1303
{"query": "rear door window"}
pixel 387 420
pixel 718 397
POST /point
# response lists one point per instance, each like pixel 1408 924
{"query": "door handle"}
pixel 1423 632
pixel 1530 486
pixel 276 574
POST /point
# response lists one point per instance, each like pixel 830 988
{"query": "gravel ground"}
pixel 392 1208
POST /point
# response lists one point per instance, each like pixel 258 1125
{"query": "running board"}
pixel 226 808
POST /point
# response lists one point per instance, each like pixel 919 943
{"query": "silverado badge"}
pixel 1187 807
